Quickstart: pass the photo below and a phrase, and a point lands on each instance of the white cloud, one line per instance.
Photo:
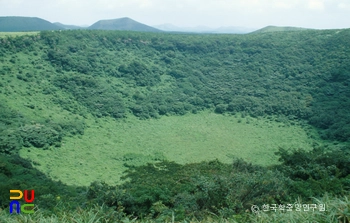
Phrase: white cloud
(286, 4)
(316, 5)
(345, 5)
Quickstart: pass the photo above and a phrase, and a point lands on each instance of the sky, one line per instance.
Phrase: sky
(318, 14)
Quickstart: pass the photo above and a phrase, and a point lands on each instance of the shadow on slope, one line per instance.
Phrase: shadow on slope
(18, 174)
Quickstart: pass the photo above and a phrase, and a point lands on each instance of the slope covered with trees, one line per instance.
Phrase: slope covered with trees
(297, 75)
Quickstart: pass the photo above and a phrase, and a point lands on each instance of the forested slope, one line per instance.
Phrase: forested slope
(299, 74)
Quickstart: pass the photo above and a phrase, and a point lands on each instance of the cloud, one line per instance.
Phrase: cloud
(316, 5)
(344, 5)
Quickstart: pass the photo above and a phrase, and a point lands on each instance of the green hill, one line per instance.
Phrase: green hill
(122, 24)
(174, 126)
(24, 24)
(279, 29)
(117, 74)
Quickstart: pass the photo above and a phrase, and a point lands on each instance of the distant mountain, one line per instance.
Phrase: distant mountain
(279, 29)
(64, 26)
(172, 28)
(168, 27)
(122, 24)
(233, 29)
(21, 24)
(204, 29)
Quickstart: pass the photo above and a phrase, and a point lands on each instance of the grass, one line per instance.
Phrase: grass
(11, 34)
(108, 145)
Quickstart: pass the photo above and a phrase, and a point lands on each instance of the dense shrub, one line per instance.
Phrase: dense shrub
(316, 172)
(138, 71)
(17, 132)
(17, 173)
(192, 189)
(90, 92)
(165, 189)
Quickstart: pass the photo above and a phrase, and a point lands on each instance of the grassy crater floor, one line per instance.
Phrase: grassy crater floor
(108, 146)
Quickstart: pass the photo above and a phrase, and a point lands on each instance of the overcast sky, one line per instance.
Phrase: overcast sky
(321, 14)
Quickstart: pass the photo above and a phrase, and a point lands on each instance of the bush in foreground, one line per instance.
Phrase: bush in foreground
(192, 190)
(337, 210)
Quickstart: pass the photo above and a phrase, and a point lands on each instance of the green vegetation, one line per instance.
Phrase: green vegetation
(194, 190)
(12, 34)
(17, 132)
(108, 147)
(201, 192)
(174, 127)
(336, 212)
(19, 173)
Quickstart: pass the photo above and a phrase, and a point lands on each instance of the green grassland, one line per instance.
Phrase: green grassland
(12, 34)
(108, 145)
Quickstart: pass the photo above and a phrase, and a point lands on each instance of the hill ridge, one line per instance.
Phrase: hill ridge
(21, 24)
(272, 28)
(124, 23)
